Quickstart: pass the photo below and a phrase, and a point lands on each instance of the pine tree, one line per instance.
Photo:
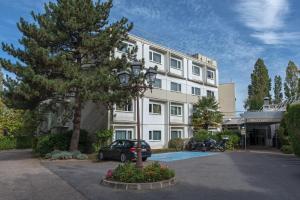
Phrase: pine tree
(67, 51)
(291, 80)
(206, 113)
(278, 90)
(260, 86)
(1, 81)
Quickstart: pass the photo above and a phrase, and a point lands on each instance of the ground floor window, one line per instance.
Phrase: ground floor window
(124, 134)
(155, 135)
(176, 134)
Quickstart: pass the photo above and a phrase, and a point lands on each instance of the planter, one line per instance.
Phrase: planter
(138, 186)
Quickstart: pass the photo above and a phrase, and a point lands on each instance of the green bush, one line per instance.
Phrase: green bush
(177, 144)
(47, 143)
(293, 125)
(233, 139)
(7, 142)
(15, 142)
(288, 149)
(102, 137)
(128, 173)
(65, 155)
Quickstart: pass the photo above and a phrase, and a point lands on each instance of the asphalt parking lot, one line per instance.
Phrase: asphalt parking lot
(236, 175)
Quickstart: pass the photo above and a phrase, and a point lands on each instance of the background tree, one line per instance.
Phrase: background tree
(278, 90)
(67, 51)
(206, 113)
(291, 80)
(260, 86)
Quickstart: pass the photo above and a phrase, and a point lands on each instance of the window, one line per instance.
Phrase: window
(176, 110)
(196, 91)
(157, 83)
(176, 134)
(210, 93)
(210, 74)
(126, 47)
(176, 64)
(175, 87)
(127, 107)
(154, 108)
(196, 70)
(155, 57)
(123, 134)
(155, 135)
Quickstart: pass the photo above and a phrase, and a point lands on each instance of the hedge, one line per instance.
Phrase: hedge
(61, 141)
(293, 125)
(18, 142)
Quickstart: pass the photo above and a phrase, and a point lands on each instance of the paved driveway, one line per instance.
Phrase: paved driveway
(237, 175)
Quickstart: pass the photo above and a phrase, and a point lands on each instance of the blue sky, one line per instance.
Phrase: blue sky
(233, 32)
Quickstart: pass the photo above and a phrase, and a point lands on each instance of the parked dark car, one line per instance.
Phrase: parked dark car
(124, 150)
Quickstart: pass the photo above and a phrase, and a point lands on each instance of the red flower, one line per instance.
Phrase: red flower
(109, 173)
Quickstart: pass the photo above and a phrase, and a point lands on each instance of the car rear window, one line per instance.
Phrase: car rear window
(143, 143)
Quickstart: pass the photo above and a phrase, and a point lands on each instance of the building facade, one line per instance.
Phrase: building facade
(227, 100)
(165, 113)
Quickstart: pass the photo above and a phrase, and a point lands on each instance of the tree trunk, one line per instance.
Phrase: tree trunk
(76, 124)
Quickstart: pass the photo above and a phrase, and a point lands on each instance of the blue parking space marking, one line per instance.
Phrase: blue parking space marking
(172, 156)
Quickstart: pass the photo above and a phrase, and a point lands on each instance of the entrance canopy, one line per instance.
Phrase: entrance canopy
(268, 117)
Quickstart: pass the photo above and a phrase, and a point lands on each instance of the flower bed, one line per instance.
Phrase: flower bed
(129, 173)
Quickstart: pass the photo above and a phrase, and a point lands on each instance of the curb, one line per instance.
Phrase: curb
(138, 186)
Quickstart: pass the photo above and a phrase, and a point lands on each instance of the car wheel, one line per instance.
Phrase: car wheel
(144, 159)
(101, 156)
(123, 157)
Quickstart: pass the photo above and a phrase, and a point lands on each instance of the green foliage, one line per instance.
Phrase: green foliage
(293, 125)
(278, 90)
(260, 86)
(291, 80)
(61, 141)
(287, 149)
(67, 49)
(283, 132)
(177, 144)
(233, 139)
(65, 155)
(206, 113)
(15, 142)
(154, 172)
(102, 137)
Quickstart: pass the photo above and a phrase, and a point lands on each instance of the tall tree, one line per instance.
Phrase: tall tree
(67, 51)
(291, 80)
(260, 86)
(206, 113)
(278, 90)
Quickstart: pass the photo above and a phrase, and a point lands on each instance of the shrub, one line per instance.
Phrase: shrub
(201, 135)
(293, 125)
(47, 143)
(128, 173)
(64, 155)
(233, 139)
(15, 142)
(288, 149)
(102, 138)
(177, 144)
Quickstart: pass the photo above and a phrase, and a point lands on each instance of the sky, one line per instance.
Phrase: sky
(233, 32)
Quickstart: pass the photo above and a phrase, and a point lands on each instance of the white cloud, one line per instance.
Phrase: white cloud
(267, 18)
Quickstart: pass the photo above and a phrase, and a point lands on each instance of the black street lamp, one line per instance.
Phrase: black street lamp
(136, 83)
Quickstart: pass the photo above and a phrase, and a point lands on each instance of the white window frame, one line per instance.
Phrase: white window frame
(125, 108)
(178, 61)
(180, 131)
(213, 74)
(151, 135)
(194, 91)
(176, 106)
(207, 91)
(128, 134)
(155, 52)
(152, 110)
(195, 66)
(129, 47)
(160, 83)
(178, 87)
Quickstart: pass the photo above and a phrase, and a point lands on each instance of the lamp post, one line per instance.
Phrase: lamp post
(137, 82)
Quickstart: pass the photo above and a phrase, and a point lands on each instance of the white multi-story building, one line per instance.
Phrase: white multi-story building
(166, 112)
